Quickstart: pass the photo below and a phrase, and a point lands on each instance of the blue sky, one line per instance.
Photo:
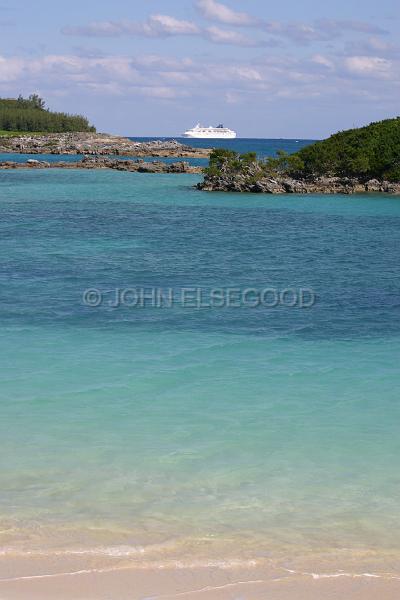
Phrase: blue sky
(156, 67)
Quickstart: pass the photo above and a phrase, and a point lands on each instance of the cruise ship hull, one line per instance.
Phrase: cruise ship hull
(210, 136)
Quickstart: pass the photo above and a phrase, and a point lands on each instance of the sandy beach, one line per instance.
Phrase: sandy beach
(208, 583)
(123, 573)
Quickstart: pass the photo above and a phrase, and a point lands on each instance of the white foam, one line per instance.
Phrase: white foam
(317, 576)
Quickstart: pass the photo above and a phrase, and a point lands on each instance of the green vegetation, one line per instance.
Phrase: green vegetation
(371, 152)
(234, 161)
(30, 115)
(10, 134)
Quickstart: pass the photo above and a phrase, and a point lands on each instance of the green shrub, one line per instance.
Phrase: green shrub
(365, 153)
(371, 152)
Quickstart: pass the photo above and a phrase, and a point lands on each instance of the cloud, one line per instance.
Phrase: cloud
(155, 26)
(323, 30)
(170, 79)
(226, 36)
(171, 26)
(216, 11)
(319, 59)
(369, 66)
(159, 26)
(163, 26)
(298, 32)
(10, 68)
(338, 26)
(121, 74)
(371, 47)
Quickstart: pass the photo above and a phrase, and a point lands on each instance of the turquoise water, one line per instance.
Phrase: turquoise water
(215, 431)
(53, 158)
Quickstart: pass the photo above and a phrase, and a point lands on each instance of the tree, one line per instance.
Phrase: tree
(29, 114)
(37, 101)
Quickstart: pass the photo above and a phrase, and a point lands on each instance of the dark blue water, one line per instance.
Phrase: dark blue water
(137, 230)
(263, 147)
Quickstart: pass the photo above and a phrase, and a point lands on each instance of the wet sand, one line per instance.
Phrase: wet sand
(55, 579)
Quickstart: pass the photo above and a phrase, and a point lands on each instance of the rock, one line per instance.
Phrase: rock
(104, 162)
(230, 182)
(154, 167)
(267, 186)
(291, 186)
(179, 167)
(97, 144)
(390, 188)
(373, 185)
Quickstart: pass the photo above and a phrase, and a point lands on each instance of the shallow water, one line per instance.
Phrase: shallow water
(235, 430)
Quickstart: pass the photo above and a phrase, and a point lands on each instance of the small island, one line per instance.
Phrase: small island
(28, 127)
(105, 162)
(353, 161)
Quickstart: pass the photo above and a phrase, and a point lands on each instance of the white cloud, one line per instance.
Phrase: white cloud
(167, 78)
(380, 45)
(373, 46)
(323, 30)
(319, 59)
(171, 26)
(155, 26)
(246, 73)
(298, 32)
(337, 26)
(370, 66)
(10, 68)
(226, 36)
(163, 26)
(216, 11)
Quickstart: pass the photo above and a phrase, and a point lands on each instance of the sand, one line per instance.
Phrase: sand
(124, 582)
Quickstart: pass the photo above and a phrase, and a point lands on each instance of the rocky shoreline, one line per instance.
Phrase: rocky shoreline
(96, 162)
(319, 185)
(223, 183)
(100, 144)
(99, 151)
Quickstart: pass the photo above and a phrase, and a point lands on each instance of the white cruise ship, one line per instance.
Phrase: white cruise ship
(210, 132)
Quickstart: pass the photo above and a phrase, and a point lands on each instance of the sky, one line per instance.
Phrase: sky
(290, 69)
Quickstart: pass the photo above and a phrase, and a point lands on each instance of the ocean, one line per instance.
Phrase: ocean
(197, 430)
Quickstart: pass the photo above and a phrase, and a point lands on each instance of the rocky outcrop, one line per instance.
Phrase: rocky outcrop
(97, 144)
(98, 162)
(228, 182)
